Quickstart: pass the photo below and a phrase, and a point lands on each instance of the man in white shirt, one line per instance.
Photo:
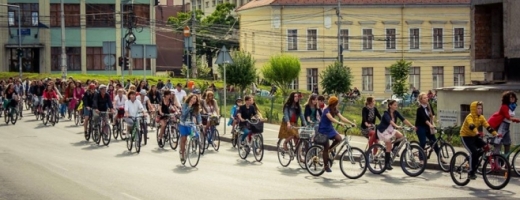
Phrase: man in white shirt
(132, 107)
(180, 94)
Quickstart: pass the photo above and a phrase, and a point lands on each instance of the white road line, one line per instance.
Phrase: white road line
(130, 196)
(57, 166)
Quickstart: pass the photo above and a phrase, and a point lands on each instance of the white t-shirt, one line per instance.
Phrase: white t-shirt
(145, 101)
(133, 107)
(512, 114)
(120, 101)
(179, 95)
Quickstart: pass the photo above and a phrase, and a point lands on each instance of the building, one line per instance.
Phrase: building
(434, 35)
(87, 25)
(208, 6)
(170, 45)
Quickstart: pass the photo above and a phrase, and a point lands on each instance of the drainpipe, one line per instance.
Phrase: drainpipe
(402, 32)
(281, 29)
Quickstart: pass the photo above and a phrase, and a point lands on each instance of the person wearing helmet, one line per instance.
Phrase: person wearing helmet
(102, 102)
(234, 111)
(88, 101)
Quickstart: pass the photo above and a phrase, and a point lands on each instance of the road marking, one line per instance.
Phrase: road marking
(57, 166)
(130, 196)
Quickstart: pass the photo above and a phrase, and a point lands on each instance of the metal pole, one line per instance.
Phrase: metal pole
(122, 45)
(19, 40)
(144, 62)
(188, 69)
(338, 12)
(63, 53)
(194, 51)
(225, 92)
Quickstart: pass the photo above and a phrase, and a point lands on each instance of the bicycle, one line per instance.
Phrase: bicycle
(213, 136)
(28, 102)
(497, 164)
(192, 146)
(101, 129)
(11, 114)
(118, 127)
(235, 130)
(254, 141)
(153, 114)
(352, 155)
(299, 150)
(51, 115)
(410, 158)
(445, 149)
(136, 133)
(515, 161)
(171, 133)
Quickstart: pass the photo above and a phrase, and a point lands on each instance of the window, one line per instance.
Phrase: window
(414, 38)
(71, 11)
(437, 38)
(464, 111)
(29, 14)
(207, 4)
(458, 76)
(100, 15)
(344, 38)
(213, 3)
(312, 78)
(312, 39)
(294, 84)
(438, 77)
(368, 78)
(458, 38)
(367, 39)
(73, 58)
(137, 64)
(292, 39)
(388, 79)
(95, 58)
(415, 77)
(390, 38)
(141, 12)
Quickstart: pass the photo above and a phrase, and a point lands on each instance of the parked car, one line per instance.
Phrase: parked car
(405, 101)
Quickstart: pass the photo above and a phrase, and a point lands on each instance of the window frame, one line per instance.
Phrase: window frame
(456, 43)
(27, 11)
(309, 45)
(367, 74)
(73, 58)
(100, 16)
(415, 74)
(344, 39)
(388, 80)
(292, 39)
(294, 85)
(71, 12)
(438, 76)
(456, 75)
(368, 39)
(312, 78)
(390, 38)
(436, 44)
(412, 39)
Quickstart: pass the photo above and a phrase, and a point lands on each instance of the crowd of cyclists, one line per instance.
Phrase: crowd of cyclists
(184, 115)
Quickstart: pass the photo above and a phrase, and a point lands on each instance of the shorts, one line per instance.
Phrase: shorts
(184, 130)
(87, 112)
(387, 135)
(506, 134)
(120, 113)
(37, 100)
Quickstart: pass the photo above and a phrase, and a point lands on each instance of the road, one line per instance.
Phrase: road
(41, 162)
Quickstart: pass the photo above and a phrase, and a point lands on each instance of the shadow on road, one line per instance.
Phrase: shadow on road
(160, 150)
(243, 163)
(181, 169)
(72, 126)
(32, 120)
(40, 126)
(397, 180)
(126, 154)
(486, 194)
(94, 147)
(80, 143)
(335, 183)
(291, 171)
(432, 175)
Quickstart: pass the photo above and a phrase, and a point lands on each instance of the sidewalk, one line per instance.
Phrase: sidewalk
(271, 139)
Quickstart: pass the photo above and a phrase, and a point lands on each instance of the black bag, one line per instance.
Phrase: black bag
(257, 128)
(320, 138)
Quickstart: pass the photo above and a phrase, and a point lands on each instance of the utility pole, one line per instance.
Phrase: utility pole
(123, 44)
(63, 52)
(340, 45)
(193, 35)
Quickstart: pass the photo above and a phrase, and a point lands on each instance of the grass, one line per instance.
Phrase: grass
(270, 107)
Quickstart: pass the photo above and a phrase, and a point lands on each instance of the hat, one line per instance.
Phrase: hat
(91, 86)
(143, 92)
(196, 91)
(102, 86)
(333, 100)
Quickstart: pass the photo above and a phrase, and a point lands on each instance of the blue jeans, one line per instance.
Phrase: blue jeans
(423, 133)
(246, 133)
(63, 108)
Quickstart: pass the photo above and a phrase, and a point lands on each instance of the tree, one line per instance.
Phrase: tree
(242, 72)
(336, 79)
(399, 73)
(281, 70)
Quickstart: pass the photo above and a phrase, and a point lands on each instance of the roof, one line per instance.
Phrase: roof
(261, 3)
(483, 88)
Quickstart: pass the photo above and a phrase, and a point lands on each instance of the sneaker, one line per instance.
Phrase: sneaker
(328, 170)
(472, 176)
(160, 142)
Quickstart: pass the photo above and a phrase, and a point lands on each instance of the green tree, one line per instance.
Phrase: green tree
(281, 70)
(242, 73)
(336, 79)
(399, 73)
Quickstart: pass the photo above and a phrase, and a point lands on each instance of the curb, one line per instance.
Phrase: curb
(430, 166)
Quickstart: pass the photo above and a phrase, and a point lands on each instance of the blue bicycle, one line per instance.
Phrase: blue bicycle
(212, 134)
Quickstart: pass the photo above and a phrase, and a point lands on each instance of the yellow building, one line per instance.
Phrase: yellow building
(374, 35)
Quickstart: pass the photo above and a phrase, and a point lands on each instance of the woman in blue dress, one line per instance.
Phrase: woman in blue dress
(327, 129)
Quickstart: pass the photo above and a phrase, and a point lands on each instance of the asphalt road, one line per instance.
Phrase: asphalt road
(40, 162)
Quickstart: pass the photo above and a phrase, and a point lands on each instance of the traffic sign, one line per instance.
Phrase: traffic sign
(109, 60)
(187, 31)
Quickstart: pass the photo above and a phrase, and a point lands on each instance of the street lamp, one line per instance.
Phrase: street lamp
(130, 39)
(19, 36)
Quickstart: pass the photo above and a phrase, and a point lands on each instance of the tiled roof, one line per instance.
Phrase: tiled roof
(260, 3)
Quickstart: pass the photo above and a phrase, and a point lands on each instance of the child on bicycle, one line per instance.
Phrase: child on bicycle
(501, 120)
(471, 139)
(233, 119)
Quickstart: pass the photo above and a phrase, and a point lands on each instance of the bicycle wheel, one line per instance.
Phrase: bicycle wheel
(37, 115)
(500, 172)
(301, 151)
(27, 105)
(410, 162)
(130, 140)
(459, 168)
(234, 136)
(122, 130)
(137, 140)
(258, 147)
(186, 148)
(45, 118)
(87, 133)
(6, 117)
(193, 152)
(76, 118)
(174, 137)
(284, 157)
(202, 142)
(314, 161)
(160, 140)
(52, 118)
(14, 117)
(354, 159)
(216, 140)
(107, 135)
(96, 134)
(445, 154)
(376, 161)
(242, 149)
(516, 163)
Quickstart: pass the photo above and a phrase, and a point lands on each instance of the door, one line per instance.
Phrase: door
(30, 60)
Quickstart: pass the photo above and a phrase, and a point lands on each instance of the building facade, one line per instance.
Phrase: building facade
(87, 25)
(434, 35)
(208, 6)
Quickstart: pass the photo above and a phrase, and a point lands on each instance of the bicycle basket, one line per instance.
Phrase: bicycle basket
(214, 121)
(257, 128)
(320, 138)
(306, 133)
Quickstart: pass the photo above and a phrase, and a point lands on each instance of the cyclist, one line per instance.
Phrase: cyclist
(164, 109)
(312, 110)
(190, 110)
(246, 111)
(470, 135)
(233, 119)
(143, 98)
(369, 114)
(18, 88)
(11, 98)
(102, 102)
(425, 116)
(386, 129)
(327, 129)
(49, 95)
(37, 92)
(210, 108)
(292, 111)
(132, 107)
(88, 100)
(119, 103)
(502, 120)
